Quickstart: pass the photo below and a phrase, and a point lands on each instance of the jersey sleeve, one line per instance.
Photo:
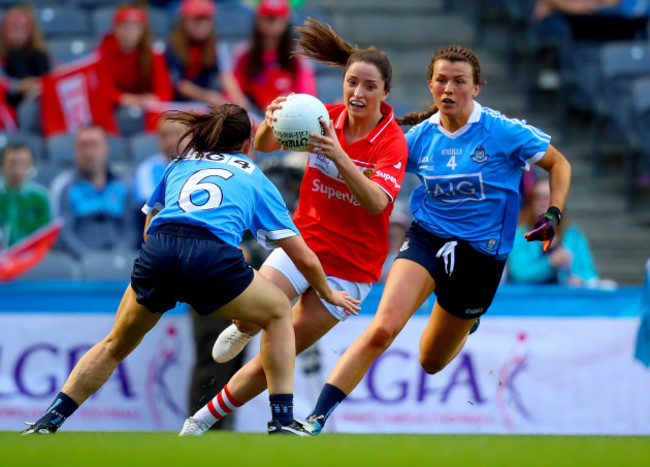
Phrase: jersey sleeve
(157, 199)
(271, 220)
(523, 144)
(389, 171)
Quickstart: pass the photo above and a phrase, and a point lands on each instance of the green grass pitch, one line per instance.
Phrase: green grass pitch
(335, 450)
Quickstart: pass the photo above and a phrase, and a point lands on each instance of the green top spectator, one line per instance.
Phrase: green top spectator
(24, 205)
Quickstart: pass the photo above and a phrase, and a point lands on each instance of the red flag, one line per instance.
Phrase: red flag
(74, 95)
(27, 253)
(7, 114)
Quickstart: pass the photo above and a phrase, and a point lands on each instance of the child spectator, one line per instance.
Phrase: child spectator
(24, 205)
(265, 68)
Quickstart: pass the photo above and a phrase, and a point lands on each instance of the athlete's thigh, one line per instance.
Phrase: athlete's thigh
(132, 321)
(444, 335)
(311, 320)
(279, 280)
(259, 303)
(407, 287)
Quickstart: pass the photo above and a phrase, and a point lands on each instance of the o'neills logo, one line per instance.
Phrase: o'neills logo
(292, 139)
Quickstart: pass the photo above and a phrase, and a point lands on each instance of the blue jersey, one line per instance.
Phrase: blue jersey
(470, 178)
(226, 194)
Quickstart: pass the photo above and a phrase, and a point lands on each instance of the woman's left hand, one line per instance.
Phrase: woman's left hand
(327, 145)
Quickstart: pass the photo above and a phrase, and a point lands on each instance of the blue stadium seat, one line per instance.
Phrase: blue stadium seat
(621, 63)
(142, 146)
(56, 265)
(234, 21)
(92, 4)
(63, 21)
(29, 115)
(69, 49)
(130, 120)
(47, 170)
(638, 136)
(299, 16)
(108, 265)
(34, 141)
(329, 87)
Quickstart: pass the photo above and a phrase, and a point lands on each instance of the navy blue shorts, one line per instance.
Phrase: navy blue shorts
(184, 263)
(466, 283)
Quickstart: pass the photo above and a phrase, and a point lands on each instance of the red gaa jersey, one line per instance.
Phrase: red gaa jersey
(350, 242)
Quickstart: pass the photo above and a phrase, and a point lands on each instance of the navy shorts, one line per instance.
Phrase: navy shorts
(465, 282)
(184, 263)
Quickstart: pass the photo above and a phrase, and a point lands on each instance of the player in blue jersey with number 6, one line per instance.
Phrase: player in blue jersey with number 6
(196, 216)
(470, 160)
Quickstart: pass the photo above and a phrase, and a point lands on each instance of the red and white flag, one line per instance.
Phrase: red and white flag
(74, 95)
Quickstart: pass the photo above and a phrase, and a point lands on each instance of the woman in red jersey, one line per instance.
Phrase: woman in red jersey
(135, 74)
(353, 174)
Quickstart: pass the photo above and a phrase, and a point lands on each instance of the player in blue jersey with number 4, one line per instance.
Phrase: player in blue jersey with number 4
(195, 220)
(470, 160)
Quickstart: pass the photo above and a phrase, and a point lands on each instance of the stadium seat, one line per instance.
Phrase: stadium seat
(69, 49)
(29, 115)
(130, 120)
(329, 88)
(62, 21)
(143, 146)
(108, 265)
(299, 16)
(46, 171)
(234, 21)
(638, 136)
(56, 265)
(621, 63)
(34, 141)
(92, 4)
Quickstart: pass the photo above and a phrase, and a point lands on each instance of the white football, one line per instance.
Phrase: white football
(297, 118)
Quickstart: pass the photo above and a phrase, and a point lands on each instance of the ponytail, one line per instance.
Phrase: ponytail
(319, 42)
(414, 118)
(223, 130)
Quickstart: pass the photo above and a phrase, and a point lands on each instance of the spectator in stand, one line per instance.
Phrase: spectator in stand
(199, 65)
(93, 202)
(265, 68)
(24, 205)
(568, 259)
(23, 54)
(136, 75)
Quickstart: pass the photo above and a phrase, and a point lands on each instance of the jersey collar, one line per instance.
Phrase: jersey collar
(474, 117)
(385, 109)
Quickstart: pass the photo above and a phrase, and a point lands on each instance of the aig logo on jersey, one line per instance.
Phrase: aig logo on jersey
(479, 155)
(456, 188)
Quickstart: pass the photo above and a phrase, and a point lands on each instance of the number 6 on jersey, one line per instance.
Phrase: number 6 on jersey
(196, 184)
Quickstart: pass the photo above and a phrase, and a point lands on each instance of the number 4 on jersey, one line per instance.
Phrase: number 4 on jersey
(452, 163)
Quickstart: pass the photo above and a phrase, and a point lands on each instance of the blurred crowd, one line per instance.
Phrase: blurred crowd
(82, 84)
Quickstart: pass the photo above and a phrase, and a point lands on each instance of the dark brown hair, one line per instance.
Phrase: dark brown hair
(223, 130)
(255, 66)
(179, 42)
(453, 53)
(320, 42)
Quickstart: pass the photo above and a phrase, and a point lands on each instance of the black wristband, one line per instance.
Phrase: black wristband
(555, 212)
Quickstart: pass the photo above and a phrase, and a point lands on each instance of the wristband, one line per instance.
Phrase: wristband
(555, 213)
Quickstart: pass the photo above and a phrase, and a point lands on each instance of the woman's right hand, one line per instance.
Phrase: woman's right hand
(269, 118)
(341, 298)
